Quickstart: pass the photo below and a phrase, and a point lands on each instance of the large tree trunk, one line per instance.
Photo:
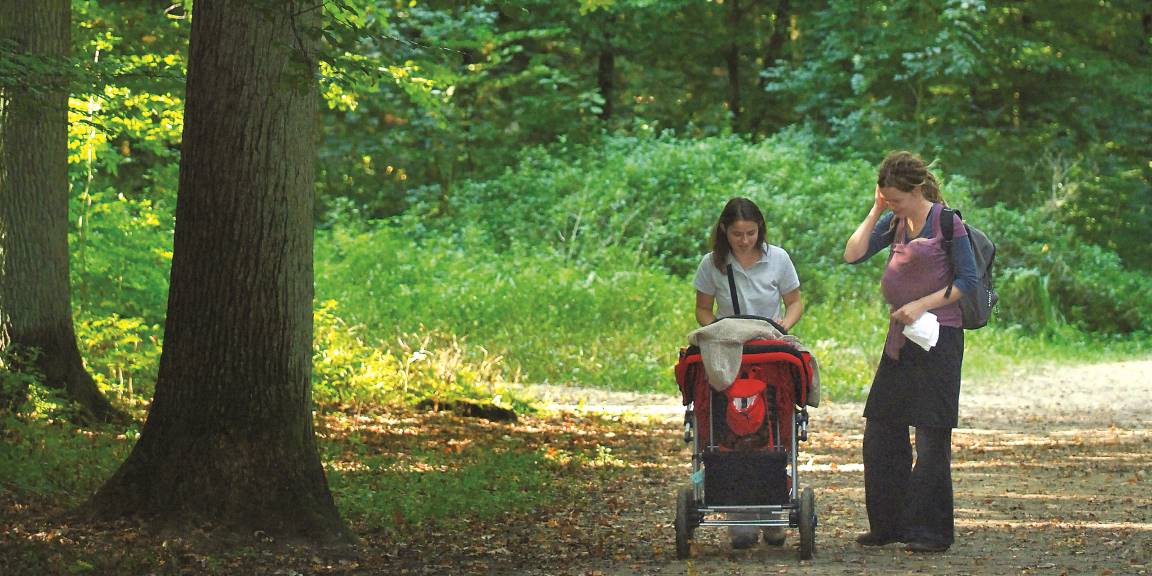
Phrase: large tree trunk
(35, 298)
(229, 438)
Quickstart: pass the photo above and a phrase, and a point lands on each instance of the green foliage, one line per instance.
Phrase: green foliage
(18, 379)
(1029, 291)
(122, 355)
(1043, 103)
(525, 228)
(1083, 284)
(23, 394)
(125, 125)
(653, 201)
(355, 371)
(544, 315)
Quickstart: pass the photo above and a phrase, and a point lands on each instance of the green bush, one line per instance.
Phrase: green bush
(354, 370)
(576, 268)
(23, 394)
(122, 355)
(548, 318)
(1050, 275)
(657, 199)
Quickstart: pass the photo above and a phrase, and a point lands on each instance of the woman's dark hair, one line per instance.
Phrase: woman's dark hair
(904, 171)
(735, 209)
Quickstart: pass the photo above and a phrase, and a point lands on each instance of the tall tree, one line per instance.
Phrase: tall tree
(766, 114)
(35, 300)
(732, 58)
(229, 438)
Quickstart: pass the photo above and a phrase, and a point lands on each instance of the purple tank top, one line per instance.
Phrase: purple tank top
(916, 269)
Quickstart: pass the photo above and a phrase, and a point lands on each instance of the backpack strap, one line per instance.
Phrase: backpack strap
(732, 289)
(946, 224)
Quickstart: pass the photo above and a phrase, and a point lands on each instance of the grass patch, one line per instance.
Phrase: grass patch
(57, 464)
(397, 491)
(399, 473)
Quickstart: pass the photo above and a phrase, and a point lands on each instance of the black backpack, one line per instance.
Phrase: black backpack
(975, 308)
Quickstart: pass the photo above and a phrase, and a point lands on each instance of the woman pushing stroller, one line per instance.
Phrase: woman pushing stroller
(762, 279)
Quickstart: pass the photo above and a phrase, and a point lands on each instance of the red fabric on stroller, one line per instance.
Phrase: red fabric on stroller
(786, 375)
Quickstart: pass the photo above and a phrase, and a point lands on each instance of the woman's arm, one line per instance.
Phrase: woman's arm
(964, 261)
(909, 312)
(704, 313)
(857, 245)
(793, 309)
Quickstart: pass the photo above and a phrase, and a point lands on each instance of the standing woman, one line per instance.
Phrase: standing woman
(912, 502)
(765, 279)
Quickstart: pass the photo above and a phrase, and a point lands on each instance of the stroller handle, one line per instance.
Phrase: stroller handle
(774, 323)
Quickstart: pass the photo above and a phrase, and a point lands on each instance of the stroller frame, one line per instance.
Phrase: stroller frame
(696, 508)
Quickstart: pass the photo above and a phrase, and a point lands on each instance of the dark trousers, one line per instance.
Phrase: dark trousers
(912, 502)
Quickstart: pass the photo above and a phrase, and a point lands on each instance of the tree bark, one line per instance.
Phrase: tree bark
(1146, 26)
(606, 78)
(603, 38)
(229, 439)
(732, 57)
(773, 51)
(35, 297)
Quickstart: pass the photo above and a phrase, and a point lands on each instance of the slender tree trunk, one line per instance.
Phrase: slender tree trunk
(35, 298)
(603, 36)
(781, 28)
(229, 438)
(773, 51)
(1146, 26)
(732, 56)
(606, 79)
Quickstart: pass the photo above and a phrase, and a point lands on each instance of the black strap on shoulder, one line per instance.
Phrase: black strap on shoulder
(732, 289)
(946, 231)
(946, 227)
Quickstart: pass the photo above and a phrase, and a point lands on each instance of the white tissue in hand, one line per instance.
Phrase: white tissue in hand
(925, 331)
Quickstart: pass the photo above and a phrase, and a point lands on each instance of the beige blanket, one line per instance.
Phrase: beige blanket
(722, 347)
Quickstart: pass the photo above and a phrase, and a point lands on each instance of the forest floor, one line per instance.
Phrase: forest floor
(1050, 469)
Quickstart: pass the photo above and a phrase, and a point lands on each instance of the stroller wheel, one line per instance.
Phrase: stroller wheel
(807, 524)
(685, 522)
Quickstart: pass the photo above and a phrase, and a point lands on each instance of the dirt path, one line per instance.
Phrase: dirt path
(1051, 475)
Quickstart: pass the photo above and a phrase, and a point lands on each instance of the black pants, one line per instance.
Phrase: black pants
(913, 503)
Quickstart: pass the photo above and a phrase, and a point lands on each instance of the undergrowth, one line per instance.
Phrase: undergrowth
(574, 268)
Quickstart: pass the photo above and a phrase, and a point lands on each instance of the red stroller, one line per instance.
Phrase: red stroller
(744, 443)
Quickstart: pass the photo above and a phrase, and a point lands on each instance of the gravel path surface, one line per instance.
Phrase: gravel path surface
(1050, 470)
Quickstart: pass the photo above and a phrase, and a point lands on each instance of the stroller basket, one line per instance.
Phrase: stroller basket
(746, 479)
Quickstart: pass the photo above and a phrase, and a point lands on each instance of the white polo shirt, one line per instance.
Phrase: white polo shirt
(760, 287)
